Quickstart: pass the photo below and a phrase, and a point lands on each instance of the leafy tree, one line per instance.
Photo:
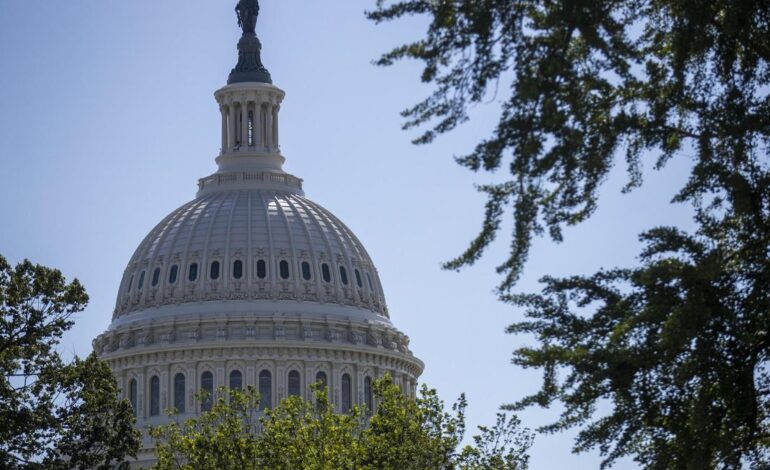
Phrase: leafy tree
(402, 433)
(678, 346)
(586, 79)
(54, 414)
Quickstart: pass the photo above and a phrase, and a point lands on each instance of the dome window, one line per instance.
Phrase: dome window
(155, 277)
(265, 390)
(238, 269)
(320, 379)
(192, 275)
(214, 271)
(347, 393)
(369, 279)
(173, 274)
(326, 272)
(261, 269)
(207, 386)
(141, 281)
(130, 283)
(322, 382)
(154, 396)
(306, 271)
(236, 380)
(359, 282)
(179, 393)
(344, 275)
(294, 384)
(132, 395)
(368, 395)
(283, 268)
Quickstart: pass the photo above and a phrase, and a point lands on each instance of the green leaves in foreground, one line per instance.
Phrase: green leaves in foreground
(54, 414)
(587, 85)
(402, 433)
(675, 353)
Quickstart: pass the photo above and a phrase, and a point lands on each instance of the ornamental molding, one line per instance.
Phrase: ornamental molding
(250, 332)
(264, 357)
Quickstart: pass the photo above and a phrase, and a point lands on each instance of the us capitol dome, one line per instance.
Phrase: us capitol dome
(251, 282)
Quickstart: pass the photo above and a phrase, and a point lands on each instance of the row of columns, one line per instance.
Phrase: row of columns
(239, 118)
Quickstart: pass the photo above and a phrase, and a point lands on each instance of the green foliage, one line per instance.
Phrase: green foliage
(584, 80)
(678, 346)
(53, 414)
(402, 433)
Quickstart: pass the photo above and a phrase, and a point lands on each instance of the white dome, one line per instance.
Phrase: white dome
(250, 283)
(251, 242)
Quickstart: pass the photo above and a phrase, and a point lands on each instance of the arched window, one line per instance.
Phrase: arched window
(321, 380)
(261, 269)
(207, 389)
(236, 380)
(265, 390)
(326, 273)
(359, 282)
(283, 269)
(130, 283)
(155, 277)
(347, 393)
(306, 275)
(295, 387)
(154, 396)
(344, 275)
(141, 280)
(368, 394)
(214, 272)
(192, 274)
(173, 274)
(179, 391)
(132, 395)
(238, 269)
(369, 278)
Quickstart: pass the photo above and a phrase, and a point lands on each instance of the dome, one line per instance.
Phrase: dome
(250, 284)
(239, 243)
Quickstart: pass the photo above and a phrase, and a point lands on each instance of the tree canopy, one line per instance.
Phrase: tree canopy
(677, 346)
(584, 80)
(400, 433)
(54, 414)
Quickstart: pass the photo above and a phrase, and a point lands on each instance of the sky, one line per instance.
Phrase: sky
(107, 120)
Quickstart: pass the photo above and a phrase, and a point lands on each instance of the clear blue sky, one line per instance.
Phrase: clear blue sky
(107, 119)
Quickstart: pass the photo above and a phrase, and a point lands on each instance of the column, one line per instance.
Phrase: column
(244, 124)
(231, 128)
(223, 110)
(269, 127)
(275, 126)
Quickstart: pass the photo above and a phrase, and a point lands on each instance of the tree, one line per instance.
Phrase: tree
(589, 78)
(401, 433)
(54, 414)
(679, 345)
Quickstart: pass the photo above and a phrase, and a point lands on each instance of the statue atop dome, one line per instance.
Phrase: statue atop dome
(249, 67)
(247, 11)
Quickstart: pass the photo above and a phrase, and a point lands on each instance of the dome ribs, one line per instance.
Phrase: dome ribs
(314, 258)
(248, 225)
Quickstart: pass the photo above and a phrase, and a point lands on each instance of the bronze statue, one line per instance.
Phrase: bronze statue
(248, 11)
(249, 67)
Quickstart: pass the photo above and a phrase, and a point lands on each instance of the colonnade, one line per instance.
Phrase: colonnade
(249, 124)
